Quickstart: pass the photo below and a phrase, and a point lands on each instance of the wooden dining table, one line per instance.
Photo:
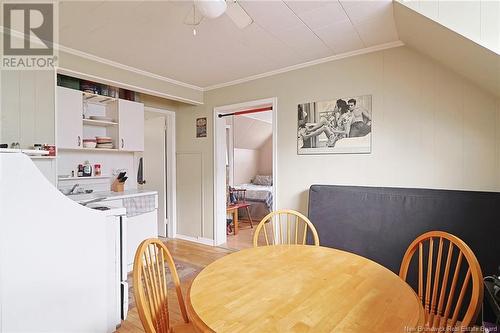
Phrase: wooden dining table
(301, 288)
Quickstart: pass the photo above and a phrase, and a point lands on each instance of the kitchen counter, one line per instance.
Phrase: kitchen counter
(109, 195)
(110, 212)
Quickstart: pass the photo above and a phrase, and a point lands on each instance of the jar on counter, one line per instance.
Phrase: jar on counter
(87, 169)
(97, 170)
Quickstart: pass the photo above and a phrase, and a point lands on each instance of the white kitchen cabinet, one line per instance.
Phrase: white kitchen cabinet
(131, 125)
(139, 228)
(69, 118)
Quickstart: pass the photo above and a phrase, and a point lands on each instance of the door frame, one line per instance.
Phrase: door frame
(170, 172)
(219, 142)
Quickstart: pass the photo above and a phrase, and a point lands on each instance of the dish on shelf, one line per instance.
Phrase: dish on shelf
(101, 118)
(89, 143)
(105, 145)
(104, 140)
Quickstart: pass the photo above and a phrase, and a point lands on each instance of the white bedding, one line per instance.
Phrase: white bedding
(259, 193)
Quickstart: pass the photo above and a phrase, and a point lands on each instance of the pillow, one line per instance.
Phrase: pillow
(263, 180)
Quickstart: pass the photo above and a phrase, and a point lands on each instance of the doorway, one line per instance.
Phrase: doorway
(229, 153)
(159, 165)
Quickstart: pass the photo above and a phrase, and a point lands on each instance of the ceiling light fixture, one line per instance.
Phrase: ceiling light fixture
(214, 8)
(211, 8)
(193, 18)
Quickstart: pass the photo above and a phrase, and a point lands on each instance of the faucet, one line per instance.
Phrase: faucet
(72, 191)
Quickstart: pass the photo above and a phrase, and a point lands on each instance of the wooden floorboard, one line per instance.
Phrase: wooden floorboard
(192, 253)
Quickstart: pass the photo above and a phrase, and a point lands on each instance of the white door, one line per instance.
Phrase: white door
(155, 166)
(131, 125)
(69, 118)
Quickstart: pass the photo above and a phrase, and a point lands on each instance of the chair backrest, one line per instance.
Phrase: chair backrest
(284, 227)
(150, 286)
(440, 295)
(239, 195)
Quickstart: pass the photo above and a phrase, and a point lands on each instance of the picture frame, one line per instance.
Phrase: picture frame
(337, 126)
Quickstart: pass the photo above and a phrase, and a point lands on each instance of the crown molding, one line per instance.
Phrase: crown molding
(115, 64)
(366, 50)
(126, 67)
(84, 76)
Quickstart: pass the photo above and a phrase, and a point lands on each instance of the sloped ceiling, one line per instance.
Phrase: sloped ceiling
(460, 54)
(250, 133)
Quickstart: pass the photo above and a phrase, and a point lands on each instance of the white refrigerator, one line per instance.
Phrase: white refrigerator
(59, 261)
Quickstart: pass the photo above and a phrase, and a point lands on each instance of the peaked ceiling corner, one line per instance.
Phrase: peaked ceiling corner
(125, 31)
(251, 133)
(460, 54)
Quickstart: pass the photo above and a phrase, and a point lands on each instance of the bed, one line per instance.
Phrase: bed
(260, 197)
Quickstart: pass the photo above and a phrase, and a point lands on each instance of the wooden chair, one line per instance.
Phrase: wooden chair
(286, 227)
(150, 288)
(438, 297)
(238, 194)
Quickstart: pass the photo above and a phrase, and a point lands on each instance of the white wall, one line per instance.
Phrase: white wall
(266, 157)
(27, 107)
(246, 165)
(431, 128)
(68, 161)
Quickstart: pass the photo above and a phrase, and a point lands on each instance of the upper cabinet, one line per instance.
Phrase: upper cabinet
(69, 118)
(130, 125)
(120, 120)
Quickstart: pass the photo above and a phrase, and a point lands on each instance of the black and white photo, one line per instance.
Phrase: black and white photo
(342, 125)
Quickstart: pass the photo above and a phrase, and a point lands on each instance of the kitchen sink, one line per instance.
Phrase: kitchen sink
(82, 196)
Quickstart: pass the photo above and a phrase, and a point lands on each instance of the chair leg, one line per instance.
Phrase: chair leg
(235, 219)
(250, 218)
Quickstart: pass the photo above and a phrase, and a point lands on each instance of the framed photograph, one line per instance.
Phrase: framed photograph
(338, 126)
(201, 127)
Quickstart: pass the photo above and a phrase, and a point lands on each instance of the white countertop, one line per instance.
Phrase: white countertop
(109, 212)
(109, 195)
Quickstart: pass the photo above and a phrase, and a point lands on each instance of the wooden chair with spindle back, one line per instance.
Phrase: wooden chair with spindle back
(238, 194)
(150, 288)
(286, 227)
(437, 292)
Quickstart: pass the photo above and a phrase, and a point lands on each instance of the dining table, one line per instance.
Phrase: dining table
(301, 288)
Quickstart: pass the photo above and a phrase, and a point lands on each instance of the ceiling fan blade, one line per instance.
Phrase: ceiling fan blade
(193, 17)
(238, 15)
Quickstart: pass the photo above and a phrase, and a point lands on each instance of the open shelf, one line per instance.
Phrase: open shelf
(104, 123)
(97, 149)
(41, 157)
(74, 178)
(97, 99)
(29, 152)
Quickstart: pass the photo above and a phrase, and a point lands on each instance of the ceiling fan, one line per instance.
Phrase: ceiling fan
(212, 9)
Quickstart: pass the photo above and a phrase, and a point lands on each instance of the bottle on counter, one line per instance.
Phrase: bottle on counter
(97, 170)
(79, 173)
(87, 169)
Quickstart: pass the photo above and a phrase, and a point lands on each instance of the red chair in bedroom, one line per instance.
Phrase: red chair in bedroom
(237, 200)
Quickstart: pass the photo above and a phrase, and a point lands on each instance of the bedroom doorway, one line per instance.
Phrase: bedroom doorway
(244, 170)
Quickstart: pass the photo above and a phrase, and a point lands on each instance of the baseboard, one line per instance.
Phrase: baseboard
(200, 240)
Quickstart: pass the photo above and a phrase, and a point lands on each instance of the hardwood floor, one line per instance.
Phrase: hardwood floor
(244, 238)
(195, 254)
